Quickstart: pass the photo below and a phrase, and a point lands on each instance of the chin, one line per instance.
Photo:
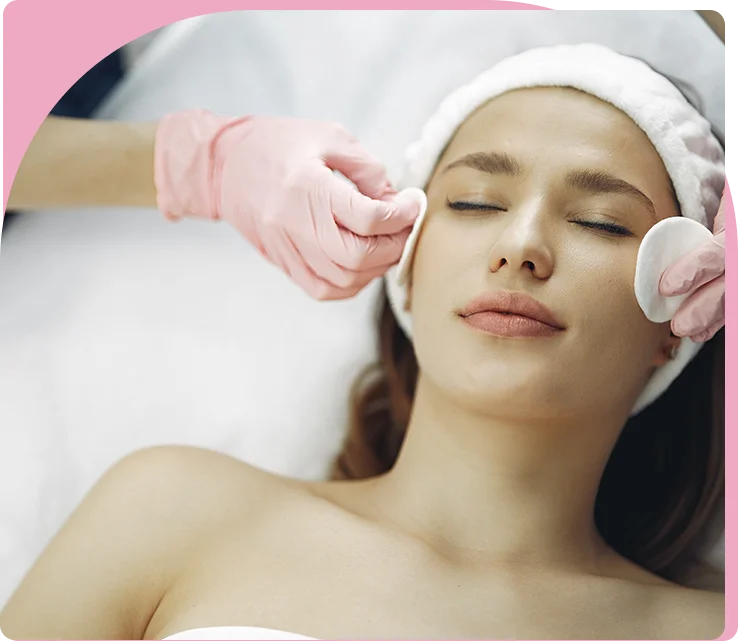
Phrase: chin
(503, 392)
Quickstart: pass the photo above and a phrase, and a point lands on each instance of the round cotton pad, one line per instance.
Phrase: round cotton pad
(398, 276)
(403, 267)
(665, 243)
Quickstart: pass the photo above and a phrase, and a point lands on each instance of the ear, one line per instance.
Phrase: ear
(667, 350)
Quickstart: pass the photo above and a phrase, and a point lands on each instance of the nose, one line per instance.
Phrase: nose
(523, 245)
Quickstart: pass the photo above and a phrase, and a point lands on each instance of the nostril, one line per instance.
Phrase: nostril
(530, 265)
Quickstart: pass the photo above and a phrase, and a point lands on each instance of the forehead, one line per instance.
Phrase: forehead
(555, 122)
(551, 130)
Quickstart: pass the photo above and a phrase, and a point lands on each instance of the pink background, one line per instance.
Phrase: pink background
(82, 32)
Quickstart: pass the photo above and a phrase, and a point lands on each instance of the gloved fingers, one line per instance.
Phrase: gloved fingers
(295, 249)
(361, 280)
(705, 336)
(702, 310)
(359, 253)
(314, 273)
(298, 270)
(310, 247)
(383, 252)
(694, 270)
(364, 216)
(358, 165)
(345, 268)
(323, 290)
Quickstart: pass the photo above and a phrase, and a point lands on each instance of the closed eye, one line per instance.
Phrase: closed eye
(463, 205)
(610, 228)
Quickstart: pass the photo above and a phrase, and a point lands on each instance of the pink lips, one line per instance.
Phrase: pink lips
(511, 315)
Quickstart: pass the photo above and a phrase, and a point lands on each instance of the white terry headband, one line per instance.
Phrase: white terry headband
(690, 152)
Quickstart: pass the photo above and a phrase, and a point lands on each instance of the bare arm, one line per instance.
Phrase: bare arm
(106, 571)
(79, 163)
(85, 583)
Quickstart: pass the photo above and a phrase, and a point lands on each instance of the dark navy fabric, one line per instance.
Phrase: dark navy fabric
(88, 92)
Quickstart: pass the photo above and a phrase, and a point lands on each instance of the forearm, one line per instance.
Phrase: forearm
(80, 163)
(715, 21)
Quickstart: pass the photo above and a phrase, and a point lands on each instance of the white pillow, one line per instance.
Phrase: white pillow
(120, 330)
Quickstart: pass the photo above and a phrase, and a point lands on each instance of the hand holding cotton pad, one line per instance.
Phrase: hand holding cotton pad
(700, 275)
(664, 244)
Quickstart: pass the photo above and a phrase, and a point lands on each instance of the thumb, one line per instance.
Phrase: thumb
(368, 217)
(361, 168)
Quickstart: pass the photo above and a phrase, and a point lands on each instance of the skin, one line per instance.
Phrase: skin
(86, 163)
(484, 527)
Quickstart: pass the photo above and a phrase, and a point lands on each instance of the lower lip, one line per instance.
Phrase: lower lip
(510, 325)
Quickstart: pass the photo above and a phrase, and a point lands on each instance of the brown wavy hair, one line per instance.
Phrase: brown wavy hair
(664, 479)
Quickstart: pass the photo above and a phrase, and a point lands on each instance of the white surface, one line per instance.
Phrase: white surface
(119, 330)
(133, 51)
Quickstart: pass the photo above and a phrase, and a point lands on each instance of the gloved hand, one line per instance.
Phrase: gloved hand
(272, 179)
(701, 274)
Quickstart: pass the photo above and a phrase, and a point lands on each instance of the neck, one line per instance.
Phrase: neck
(495, 488)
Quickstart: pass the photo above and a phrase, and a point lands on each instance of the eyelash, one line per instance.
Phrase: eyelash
(461, 205)
(610, 228)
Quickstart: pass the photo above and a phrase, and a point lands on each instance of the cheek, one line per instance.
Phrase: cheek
(440, 283)
(603, 283)
(444, 257)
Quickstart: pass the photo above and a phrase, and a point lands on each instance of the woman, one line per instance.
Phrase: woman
(494, 492)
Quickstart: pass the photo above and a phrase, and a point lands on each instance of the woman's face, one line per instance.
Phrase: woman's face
(546, 192)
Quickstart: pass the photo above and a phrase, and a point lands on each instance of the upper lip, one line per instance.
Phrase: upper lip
(508, 302)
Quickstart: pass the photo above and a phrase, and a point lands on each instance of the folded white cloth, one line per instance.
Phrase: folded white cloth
(692, 155)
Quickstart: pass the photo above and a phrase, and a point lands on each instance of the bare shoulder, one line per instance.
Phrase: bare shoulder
(173, 497)
(194, 482)
(188, 493)
(123, 546)
(687, 613)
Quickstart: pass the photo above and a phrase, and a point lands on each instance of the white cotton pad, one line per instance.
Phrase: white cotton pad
(665, 243)
(403, 267)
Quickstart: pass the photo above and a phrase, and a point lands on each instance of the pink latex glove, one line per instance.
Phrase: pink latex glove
(701, 274)
(272, 179)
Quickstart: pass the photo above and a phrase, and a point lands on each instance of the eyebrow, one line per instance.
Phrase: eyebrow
(601, 182)
(491, 162)
(587, 180)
